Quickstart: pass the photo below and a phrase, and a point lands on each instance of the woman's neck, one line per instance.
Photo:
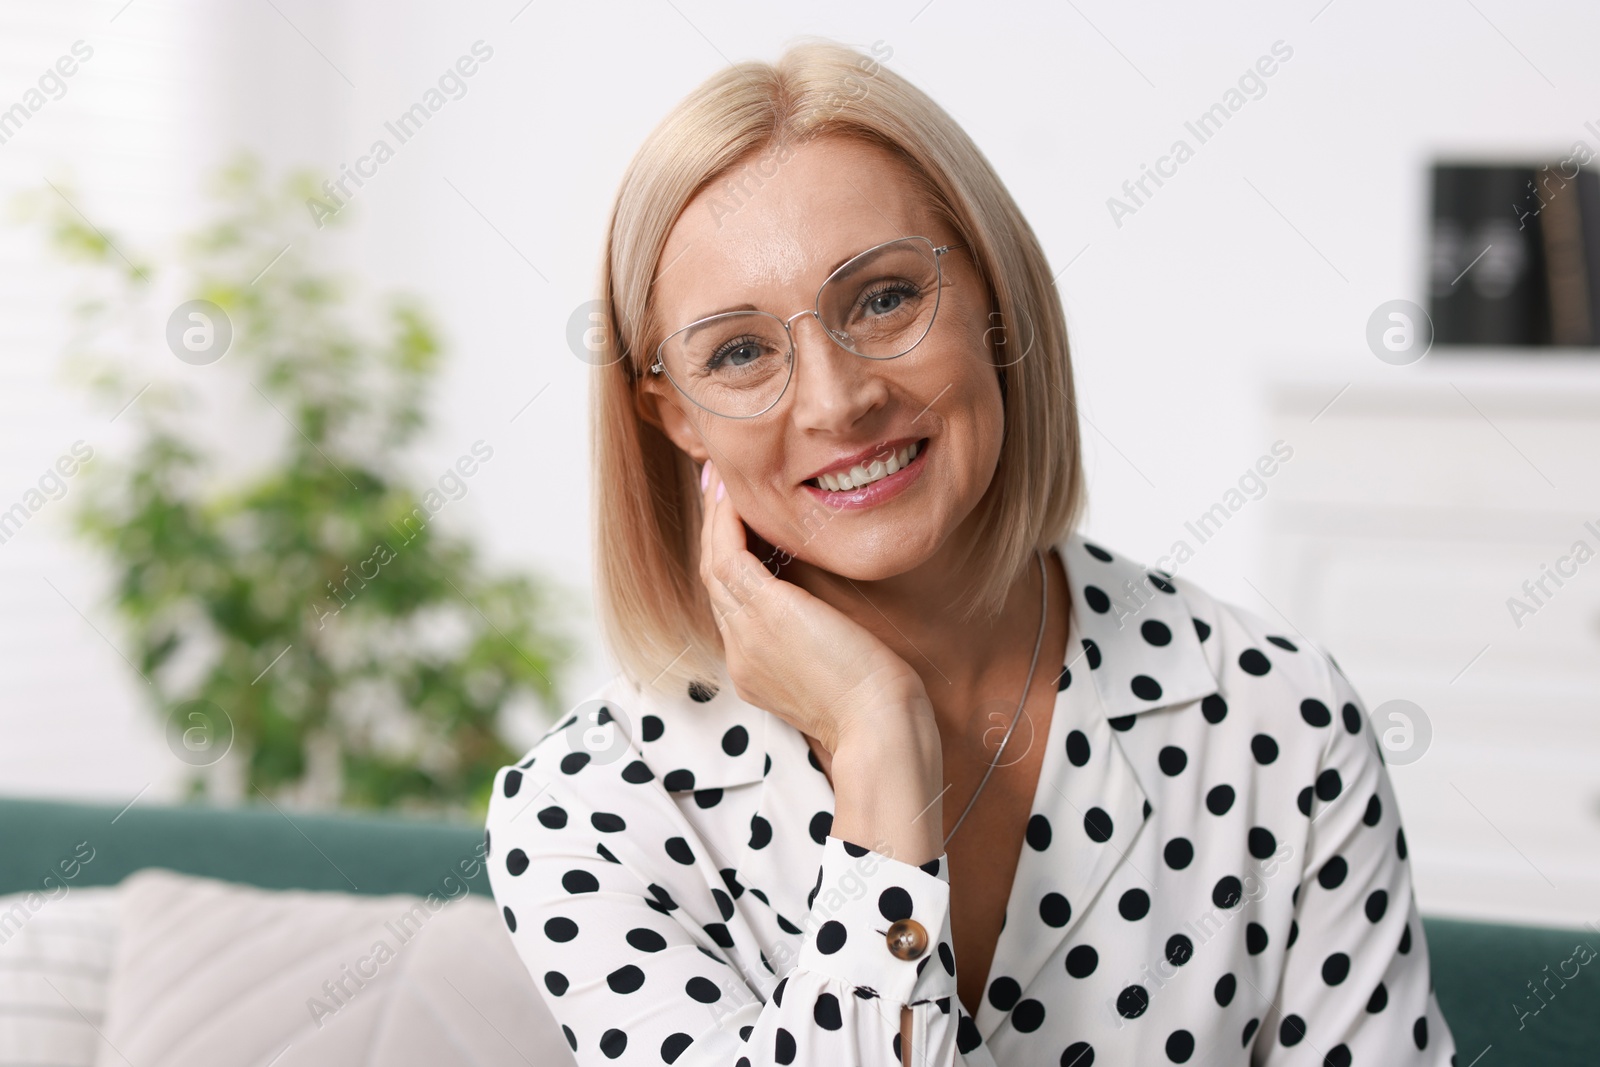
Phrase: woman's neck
(962, 664)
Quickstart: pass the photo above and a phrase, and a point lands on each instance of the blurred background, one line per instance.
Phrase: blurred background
(293, 451)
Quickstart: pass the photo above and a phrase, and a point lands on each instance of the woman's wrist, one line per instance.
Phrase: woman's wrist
(886, 784)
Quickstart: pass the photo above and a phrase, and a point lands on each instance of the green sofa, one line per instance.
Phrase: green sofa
(1482, 971)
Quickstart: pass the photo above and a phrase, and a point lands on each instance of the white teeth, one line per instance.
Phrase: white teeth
(859, 475)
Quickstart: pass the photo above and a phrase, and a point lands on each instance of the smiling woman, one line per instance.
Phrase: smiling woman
(839, 566)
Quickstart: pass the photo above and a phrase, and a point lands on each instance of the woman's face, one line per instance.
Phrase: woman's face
(770, 246)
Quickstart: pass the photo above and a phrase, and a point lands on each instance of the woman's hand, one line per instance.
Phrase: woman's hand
(792, 654)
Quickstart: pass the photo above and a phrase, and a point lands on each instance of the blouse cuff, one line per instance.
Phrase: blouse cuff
(881, 924)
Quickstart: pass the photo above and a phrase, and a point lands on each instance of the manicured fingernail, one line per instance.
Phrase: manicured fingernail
(720, 487)
(705, 474)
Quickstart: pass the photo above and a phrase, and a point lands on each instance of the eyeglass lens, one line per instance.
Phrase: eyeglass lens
(879, 305)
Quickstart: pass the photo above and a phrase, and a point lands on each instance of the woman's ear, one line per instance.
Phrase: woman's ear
(662, 411)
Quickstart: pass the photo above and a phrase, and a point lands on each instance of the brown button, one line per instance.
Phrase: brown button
(907, 939)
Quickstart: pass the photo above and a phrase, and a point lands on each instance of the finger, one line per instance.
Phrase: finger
(707, 472)
(716, 551)
(738, 571)
(722, 604)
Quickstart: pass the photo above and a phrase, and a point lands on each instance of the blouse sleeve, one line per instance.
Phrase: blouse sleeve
(1356, 986)
(632, 979)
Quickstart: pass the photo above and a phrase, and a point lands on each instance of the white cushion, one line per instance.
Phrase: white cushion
(56, 947)
(210, 972)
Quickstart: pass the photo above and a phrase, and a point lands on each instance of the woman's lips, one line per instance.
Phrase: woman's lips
(877, 492)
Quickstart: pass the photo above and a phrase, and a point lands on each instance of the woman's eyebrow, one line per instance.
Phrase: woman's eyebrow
(723, 311)
(825, 275)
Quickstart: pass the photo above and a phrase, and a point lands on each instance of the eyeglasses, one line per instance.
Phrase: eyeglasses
(878, 305)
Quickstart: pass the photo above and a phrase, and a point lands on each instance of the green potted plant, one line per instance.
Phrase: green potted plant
(308, 624)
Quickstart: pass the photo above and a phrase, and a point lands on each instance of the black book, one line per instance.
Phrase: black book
(1589, 217)
(1488, 274)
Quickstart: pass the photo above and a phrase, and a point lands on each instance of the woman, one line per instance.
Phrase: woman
(899, 768)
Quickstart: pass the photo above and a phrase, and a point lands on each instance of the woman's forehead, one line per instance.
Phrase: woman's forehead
(783, 228)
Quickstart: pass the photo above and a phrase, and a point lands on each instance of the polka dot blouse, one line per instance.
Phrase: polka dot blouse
(1214, 872)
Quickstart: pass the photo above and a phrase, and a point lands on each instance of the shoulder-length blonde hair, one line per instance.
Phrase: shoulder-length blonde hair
(655, 613)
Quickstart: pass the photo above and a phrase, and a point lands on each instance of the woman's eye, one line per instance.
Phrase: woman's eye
(738, 355)
(887, 298)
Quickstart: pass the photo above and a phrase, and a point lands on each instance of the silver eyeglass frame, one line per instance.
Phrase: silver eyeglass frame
(659, 366)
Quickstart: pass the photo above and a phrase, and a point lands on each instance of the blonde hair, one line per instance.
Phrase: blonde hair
(654, 610)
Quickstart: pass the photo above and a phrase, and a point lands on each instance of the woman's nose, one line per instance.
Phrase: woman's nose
(833, 387)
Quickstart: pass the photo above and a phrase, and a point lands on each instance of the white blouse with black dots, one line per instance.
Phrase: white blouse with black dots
(1214, 872)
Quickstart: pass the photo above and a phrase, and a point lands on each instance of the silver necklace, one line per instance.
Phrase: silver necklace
(1044, 595)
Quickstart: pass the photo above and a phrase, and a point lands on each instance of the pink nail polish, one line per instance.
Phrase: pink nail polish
(705, 474)
(720, 487)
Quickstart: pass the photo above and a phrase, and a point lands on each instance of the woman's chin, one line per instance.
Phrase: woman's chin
(866, 559)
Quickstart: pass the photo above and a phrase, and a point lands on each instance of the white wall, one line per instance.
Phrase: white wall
(112, 144)
(1263, 256)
